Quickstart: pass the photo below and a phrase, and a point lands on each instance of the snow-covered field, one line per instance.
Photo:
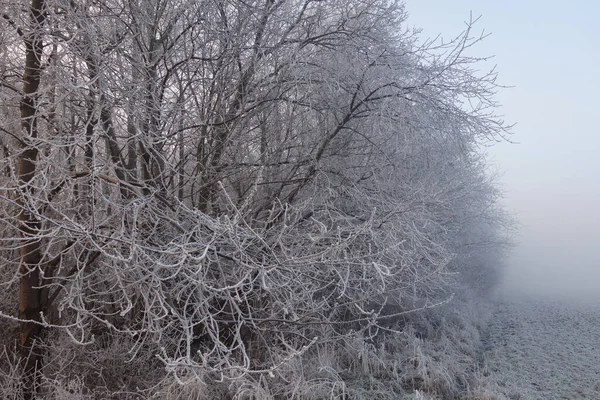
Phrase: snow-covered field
(543, 349)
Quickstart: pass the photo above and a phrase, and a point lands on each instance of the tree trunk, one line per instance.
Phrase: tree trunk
(30, 295)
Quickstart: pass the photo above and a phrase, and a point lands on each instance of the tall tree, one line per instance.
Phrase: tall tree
(31, 303)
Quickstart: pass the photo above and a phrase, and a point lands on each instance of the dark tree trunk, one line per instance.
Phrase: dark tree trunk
(30, 295)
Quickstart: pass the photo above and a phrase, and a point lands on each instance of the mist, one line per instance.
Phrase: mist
(299, 200)
(549, 173)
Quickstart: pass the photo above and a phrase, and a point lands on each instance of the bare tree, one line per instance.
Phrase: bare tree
(231, 184)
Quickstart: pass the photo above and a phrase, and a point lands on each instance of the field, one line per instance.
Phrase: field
(543, 349)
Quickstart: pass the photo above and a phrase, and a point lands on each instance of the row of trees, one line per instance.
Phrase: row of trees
(229, 184)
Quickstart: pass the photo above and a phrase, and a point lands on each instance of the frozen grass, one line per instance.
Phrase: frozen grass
(432, 355)
(435, 355)
(546, 350)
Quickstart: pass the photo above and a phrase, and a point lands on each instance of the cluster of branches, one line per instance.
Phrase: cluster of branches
(235, 181)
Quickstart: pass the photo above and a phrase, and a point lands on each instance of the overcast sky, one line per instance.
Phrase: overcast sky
(550, 52)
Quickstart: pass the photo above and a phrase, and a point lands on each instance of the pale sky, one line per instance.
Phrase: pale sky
(550, 52)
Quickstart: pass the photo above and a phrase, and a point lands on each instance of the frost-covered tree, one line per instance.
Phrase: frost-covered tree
(227, 185)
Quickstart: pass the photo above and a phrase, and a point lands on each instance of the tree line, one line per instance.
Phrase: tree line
(227, 185)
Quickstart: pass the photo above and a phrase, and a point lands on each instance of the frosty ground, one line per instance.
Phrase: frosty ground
(542, 349)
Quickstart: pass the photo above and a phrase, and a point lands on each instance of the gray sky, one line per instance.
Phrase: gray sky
(550, 52)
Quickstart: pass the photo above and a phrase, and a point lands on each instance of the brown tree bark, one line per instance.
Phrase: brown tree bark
(30, 295)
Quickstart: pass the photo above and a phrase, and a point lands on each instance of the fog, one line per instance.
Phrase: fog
(550, 54)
